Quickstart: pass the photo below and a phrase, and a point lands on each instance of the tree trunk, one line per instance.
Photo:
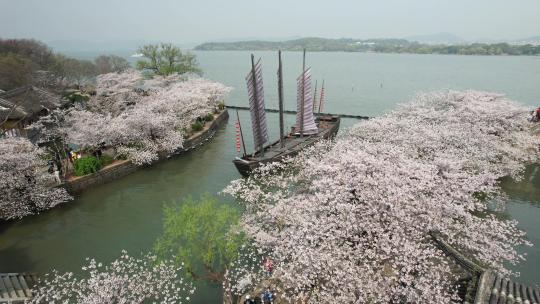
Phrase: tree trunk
(227, 294)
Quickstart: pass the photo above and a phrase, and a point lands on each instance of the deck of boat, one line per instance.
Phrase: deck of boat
(292, 145)
(295, 143)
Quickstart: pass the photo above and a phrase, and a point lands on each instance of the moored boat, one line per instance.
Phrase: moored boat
(308, 129)
(293, 144)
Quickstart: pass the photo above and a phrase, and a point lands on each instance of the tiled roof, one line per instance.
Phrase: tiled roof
(6, 108)
(16, 287)
(27, 100)
(497, 289)
(491, 288)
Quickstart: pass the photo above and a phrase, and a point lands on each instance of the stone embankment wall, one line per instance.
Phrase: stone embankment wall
(122, 168)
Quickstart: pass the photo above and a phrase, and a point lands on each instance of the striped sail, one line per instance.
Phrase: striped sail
(309, 120)
(256, 106)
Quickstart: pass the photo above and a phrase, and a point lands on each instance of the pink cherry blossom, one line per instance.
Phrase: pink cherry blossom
(125, 280)
(141, 118)
(349, 221)
(24, 181)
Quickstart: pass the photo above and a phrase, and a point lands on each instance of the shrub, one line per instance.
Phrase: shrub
(106, 160)
(76, 96)
(86, 165)
(209, 117)
(221, 105)
(197, 126)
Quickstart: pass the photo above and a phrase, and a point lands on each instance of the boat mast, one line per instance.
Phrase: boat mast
(322, 96)
(241, 134)
(280, 93)
(315, 97)
(256, 98)
(302, 100)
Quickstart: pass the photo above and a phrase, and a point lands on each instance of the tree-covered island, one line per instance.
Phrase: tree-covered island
(372, 45)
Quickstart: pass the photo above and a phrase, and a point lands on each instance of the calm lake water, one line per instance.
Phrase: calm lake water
(127, 214)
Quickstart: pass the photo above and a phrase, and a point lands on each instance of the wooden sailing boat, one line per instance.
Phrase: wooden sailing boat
(308, 129)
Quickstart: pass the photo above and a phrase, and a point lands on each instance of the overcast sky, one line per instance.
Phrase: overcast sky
(206, 20)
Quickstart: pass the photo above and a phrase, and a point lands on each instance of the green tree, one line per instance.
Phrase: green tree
(166, 59)
(110, 63)
(205, 235)
(33, 50)
(73, 70)
(15, 71)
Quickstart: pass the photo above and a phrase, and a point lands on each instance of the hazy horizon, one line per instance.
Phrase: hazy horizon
(191, 23)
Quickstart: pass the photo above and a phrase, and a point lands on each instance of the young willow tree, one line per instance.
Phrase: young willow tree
(350, 221)
(165, 59)
(23, 181)
(205, 236)
(125, 280)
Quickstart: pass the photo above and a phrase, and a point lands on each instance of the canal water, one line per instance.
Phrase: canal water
(127, 213)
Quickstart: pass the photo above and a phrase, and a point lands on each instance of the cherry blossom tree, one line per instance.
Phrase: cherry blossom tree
(125, 280)
(111, 63)
(245, 272)
(350, 220)
(142, 119)
(24, 187)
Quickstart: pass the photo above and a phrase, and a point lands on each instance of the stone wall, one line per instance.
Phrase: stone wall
(123, 168)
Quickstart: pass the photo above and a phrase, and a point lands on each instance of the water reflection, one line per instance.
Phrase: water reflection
(524, 206)
(527, 189)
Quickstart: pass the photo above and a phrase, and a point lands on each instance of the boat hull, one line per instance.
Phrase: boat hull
(328, 125)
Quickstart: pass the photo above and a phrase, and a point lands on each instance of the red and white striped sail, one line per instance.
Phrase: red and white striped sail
(309, 126)
(237, 125)
(256, 106)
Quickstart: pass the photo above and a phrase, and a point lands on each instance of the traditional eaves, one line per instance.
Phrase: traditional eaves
(26, 101)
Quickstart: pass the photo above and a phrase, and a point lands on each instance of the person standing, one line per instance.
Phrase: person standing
(51, 165)
(249, 300)
(69, 153)
(268, 296)
(268, 267)
(57, 175)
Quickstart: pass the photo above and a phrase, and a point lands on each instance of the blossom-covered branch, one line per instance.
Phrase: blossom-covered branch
(349, 221)
(23, 183)
(141, 118)
(125, 280)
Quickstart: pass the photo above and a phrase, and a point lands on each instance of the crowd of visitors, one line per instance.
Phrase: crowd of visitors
(535, 115)
(267, 296)
(55, 164)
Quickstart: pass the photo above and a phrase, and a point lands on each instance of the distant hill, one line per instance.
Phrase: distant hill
(439, 38)
(530, 40)
(77, 45)
(312, 44)
(315, 44)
